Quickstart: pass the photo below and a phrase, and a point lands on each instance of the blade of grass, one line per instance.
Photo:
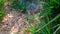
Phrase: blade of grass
(55, 26)
(56, 30)
(49, 22)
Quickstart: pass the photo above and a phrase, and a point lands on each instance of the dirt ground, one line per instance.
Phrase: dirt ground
(12, 22)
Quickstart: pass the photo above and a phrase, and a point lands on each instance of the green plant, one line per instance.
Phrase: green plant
(1, 9)
(46, 21)
(17, 4)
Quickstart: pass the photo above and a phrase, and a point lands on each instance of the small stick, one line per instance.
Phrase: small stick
(21, 12)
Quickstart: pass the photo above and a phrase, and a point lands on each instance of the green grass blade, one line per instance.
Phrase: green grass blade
(56, 30)
(49, 22)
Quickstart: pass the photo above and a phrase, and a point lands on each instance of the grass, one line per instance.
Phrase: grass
(1, 9)
(46, 21)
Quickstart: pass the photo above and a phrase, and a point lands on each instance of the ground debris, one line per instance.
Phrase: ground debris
(12, 23)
